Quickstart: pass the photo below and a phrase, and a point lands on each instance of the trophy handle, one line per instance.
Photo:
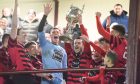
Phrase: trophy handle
(83, 8)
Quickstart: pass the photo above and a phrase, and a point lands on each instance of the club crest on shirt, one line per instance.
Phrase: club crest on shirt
(58, 55)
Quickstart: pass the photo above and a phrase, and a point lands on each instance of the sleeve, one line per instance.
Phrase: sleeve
(83, 30)
(86, 45)
(102, 78)
(102, 75)
(97, 48)
(2, 67)
(87, 48)
(101, 29)
(98, 77)
(65, 65)
(42, 23)
(64, 60)
(11, 42)
(68, 48)
(42, 40)
(115, 41)
(108, 29)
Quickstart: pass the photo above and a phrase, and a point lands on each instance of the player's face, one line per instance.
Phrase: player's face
(32, 49)
(22, 36)
(96, 56)
(78, 45)
(107, 61)
(114, 32)
(105, 46)
(55, 33)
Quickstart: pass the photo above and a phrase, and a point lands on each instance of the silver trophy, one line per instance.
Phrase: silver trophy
(72, 19)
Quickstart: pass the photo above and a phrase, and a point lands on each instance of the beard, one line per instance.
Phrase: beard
(77, 49)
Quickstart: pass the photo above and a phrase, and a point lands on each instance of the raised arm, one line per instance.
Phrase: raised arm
(41, 34)
(97, 48)
(84, 32)
(94, 46)
(47, 10)
(82, 28)
(68, 47)
(13, 33)
(100, 28)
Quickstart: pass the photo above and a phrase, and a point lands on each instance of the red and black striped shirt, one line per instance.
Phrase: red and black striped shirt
(17, 52)
(5, 61)
(84, 62)
(117, 44)
(80, 60)
(36, 62)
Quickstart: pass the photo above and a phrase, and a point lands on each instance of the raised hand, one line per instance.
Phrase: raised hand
(85, 38)
(13, 33)
(47, 8)
(14, 18)
(45, 75)
(98, 14)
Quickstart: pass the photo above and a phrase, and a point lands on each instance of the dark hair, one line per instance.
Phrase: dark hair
(102, 39)
(54, 29)
(112, 55)
(118, 5)
(77, 26)
(4, 37)
(27, 45)
(120, 28)
(78, 37)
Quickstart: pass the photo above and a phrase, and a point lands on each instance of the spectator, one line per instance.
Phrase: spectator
(1, 34)
(7, 13)
(30, 25)
(117, 15)
(4, 25)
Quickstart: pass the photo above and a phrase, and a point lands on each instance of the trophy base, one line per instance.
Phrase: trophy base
(65, 38)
